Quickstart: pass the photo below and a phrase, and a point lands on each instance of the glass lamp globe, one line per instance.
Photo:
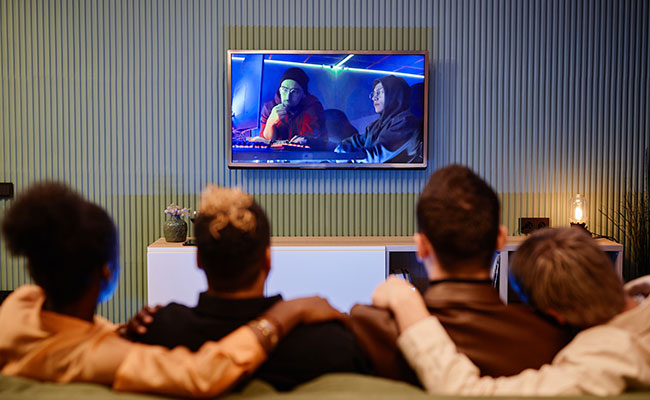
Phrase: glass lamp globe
(578, 210)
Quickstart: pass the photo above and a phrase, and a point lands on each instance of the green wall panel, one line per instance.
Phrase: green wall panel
(125, 101)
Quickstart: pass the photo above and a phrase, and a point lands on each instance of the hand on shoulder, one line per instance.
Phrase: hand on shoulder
(137, 325)
(402, 299)
(307, 310)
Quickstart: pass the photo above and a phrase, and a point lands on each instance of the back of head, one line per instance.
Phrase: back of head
(564, 270)
(232, 235)
(458, 212)
(65, 239)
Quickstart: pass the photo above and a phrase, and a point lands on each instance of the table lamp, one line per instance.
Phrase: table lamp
(578, 210)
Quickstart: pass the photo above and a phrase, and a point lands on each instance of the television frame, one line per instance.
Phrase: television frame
(328, 165)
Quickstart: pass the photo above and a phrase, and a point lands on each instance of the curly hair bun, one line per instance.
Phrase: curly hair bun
(227, 207)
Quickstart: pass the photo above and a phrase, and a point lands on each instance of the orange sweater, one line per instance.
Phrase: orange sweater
(54, 347)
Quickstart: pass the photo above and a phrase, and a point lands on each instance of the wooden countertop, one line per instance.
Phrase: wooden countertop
(512, 242)
(310, 241)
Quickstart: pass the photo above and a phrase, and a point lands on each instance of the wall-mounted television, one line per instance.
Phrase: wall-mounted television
(328, 109)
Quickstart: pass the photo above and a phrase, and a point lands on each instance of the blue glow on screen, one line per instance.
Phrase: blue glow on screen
(341, 82)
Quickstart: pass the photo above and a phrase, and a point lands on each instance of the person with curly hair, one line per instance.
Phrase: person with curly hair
(233, 250)
(50, 331)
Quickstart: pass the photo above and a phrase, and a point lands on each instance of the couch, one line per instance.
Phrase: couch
(331, 386)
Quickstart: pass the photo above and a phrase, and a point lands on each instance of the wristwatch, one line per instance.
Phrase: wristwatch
(266, 332)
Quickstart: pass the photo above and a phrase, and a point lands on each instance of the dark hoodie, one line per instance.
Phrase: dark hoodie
(396, 136)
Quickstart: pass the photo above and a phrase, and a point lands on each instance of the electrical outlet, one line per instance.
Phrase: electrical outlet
(6, 190)
(528, 225)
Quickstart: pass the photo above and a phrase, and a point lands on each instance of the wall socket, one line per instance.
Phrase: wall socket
(6, 190)
(528, 225)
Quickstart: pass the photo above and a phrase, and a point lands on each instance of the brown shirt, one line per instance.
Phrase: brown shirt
(502, 340)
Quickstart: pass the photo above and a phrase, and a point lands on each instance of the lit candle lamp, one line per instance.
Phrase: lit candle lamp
(578, 209)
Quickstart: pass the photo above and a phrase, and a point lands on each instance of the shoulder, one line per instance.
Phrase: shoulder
(605, 357)
(23, 304)
(169, 322)
(600, 339)
(372, 324)
(25, 294)
(404, 120)
(328, 334)
(636, 320)
(311, 103)
(326, 344)
(171, 310)
(517, 323)
(483, 320)
(377, 332)
(534, 320)
(174, 316)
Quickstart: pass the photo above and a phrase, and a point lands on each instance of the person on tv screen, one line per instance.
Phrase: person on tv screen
(294, 114)
(396, 137)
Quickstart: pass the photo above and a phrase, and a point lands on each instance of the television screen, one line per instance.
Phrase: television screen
(328, 109)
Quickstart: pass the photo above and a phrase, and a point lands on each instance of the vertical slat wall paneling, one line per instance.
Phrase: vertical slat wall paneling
(125, 101)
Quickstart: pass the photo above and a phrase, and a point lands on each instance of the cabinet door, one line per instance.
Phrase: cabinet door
(343, 275)
(173, 276)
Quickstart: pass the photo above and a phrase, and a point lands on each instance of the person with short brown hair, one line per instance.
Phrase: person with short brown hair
(458, 220)
(459, 215)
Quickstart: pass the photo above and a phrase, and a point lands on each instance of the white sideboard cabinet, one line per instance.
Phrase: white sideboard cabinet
(345, 270)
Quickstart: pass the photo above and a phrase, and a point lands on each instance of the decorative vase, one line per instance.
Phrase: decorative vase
(175, 229)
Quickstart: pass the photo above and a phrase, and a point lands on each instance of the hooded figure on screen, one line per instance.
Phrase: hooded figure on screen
(294, 114)
(396, 137)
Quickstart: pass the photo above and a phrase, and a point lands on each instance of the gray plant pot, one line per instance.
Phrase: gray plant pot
(175, 230)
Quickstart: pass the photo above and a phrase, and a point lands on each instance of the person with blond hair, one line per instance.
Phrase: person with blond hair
(565, 274)
(233, 250)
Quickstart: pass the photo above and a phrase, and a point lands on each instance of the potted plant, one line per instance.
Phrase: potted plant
(633, 220)
(175, 229)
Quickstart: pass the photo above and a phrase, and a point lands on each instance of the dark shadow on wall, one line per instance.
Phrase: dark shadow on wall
(442, 108)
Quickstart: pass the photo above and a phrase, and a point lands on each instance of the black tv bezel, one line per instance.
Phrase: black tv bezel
(337, 166)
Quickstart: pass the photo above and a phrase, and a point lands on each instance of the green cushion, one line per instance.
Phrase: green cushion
(22, 388)
(330, 387)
